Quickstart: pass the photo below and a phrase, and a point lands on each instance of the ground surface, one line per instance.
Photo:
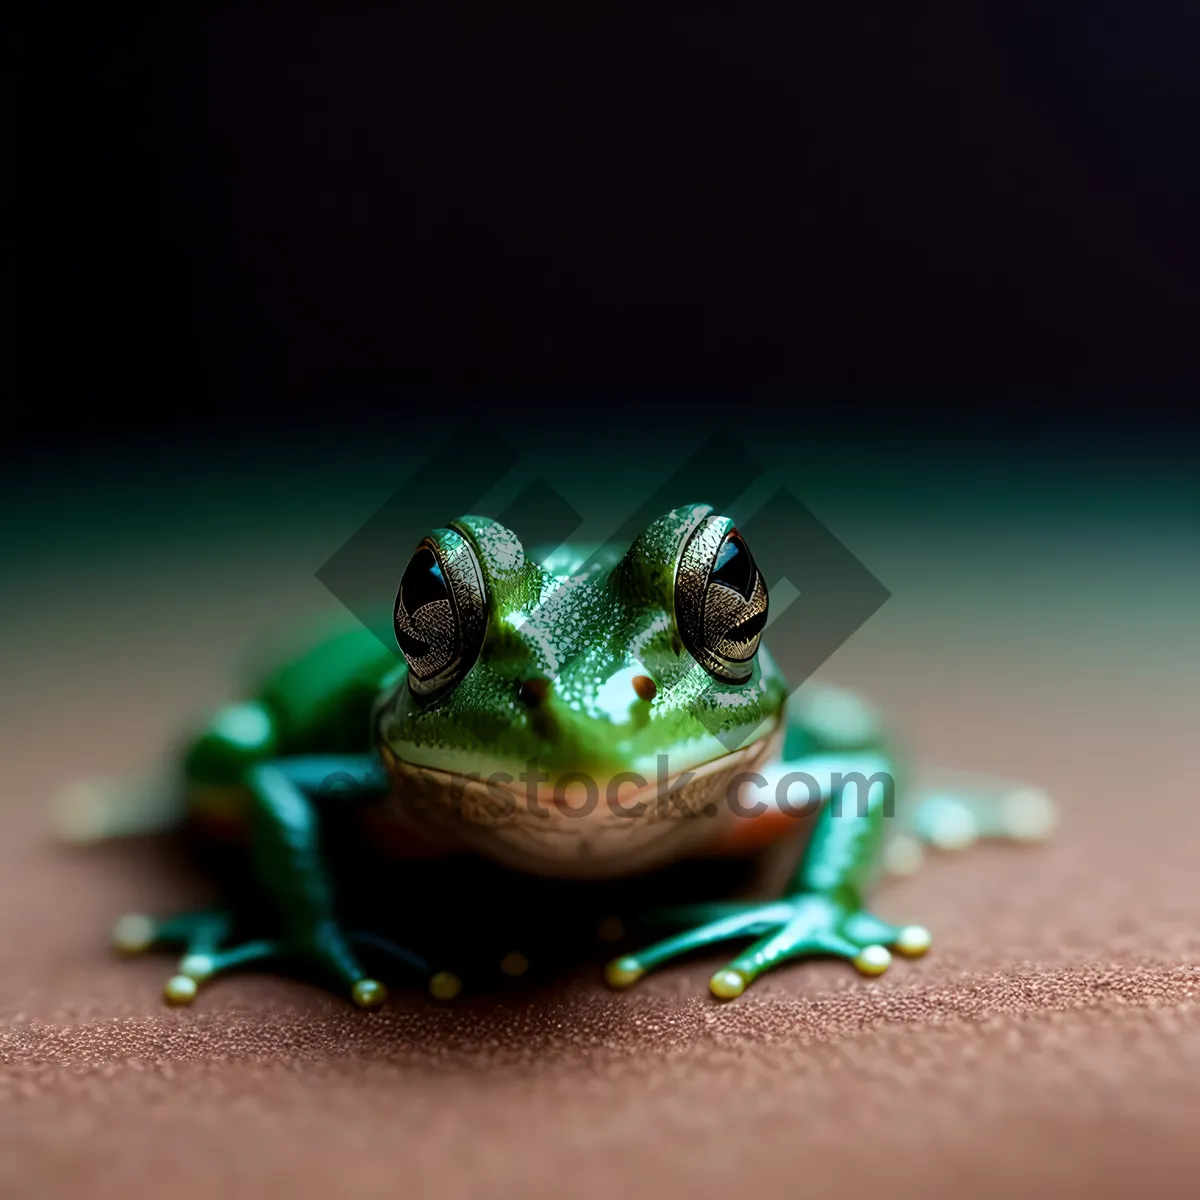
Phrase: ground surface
(1050, 1043)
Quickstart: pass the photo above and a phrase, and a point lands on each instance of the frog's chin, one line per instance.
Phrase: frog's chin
(579, 824)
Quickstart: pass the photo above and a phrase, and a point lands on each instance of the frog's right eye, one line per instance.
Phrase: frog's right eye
(441, 612)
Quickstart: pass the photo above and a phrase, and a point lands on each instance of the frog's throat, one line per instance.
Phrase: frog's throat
(590, 826)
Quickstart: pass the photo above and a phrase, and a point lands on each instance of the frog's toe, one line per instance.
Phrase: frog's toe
(742, 921)
(867, 930)
(193, 932)
(208, 952)
(368, 993)
(983, 808)
(199, 934)
(794, 940)
(873, 959)
(196, 966)
(912, 941)
(200, 966)
(727, 984)
(795, 930)
(133, 933)
(445, 985)
(623, 972)
(180, 989)
(202, 937)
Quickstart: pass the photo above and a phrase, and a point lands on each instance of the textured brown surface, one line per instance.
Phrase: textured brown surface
(1050, 1044)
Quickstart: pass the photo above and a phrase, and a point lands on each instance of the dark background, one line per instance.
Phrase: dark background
(921, 220)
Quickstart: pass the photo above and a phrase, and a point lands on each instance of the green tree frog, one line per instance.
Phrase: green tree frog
(593, 713)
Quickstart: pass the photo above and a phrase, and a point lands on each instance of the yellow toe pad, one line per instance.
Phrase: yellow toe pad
(180, 989)
(622, 972)
(445, 985)
(873, 960)
(913, 941)
(727, 984)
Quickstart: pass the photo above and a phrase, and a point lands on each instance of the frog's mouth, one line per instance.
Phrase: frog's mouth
(577, 823)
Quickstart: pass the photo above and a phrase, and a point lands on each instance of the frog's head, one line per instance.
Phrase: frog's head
(550, 704)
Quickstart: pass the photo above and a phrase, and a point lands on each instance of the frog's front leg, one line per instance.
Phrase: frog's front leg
(290, 869)
(822, 913)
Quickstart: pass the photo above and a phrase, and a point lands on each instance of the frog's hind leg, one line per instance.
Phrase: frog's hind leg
(959, 808)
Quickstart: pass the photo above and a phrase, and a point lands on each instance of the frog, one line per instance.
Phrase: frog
(585, 712)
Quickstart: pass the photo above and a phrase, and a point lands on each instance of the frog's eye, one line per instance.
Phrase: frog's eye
(720, 600)
(441, 612)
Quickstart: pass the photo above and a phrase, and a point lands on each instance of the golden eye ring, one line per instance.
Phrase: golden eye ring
(720, 600)
(440, 614)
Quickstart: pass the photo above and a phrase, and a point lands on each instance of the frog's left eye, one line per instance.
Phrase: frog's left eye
(720, 600)
(441, 612)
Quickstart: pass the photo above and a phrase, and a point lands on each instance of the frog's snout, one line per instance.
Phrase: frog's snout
(556, 714)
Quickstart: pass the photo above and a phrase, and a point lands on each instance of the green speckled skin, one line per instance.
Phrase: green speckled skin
(585, 626)
(614, 620)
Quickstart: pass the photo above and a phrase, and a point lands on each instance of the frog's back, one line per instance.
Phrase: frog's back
(321, 699)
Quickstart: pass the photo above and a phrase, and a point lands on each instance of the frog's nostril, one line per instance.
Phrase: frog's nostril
(533, 692)
(645, 687)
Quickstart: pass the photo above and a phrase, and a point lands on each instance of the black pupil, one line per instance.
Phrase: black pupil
(749, 628)
(422, 584)
(734, 567)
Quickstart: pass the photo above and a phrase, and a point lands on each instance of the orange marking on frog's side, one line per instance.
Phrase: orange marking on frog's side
(748, 834)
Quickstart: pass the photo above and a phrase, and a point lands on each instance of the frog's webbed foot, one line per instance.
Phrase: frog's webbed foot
(209, 950)
(802, 926)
